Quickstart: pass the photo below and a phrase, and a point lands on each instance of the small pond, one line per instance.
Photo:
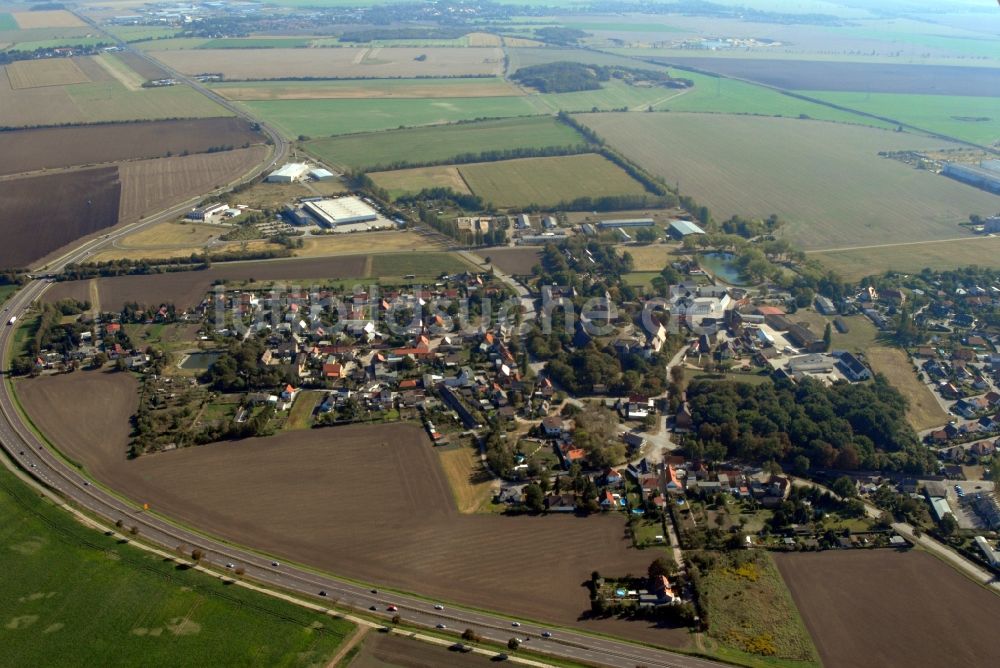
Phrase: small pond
(722, 266)
(200, 361)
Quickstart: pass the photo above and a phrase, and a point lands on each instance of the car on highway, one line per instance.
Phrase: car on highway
(322, 592)
(392, 608)
(373, 607)
(515, 624)
(439, 607)
(230, 565)
(374, 591)
(275, 564)
(546, 634)
(441, 626)
(501, 657)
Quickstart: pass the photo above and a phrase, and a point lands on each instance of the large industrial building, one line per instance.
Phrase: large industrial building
(629, 222)
(293, 171)
(206, 213)
(320, 174)
(340, 211)
(987, 179)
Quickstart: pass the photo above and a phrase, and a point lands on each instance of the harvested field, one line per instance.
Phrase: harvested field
(48, 148)
(842, 76)
(548, 181)
(152, 185)
(825, 179)
(471, 485)
(368, 88)
(381, 650)
(869, 608)
(369, 151)
(349, 62)
(855, 264)
(92, 68)
(278, 494)
(171, 234)
(404, 181)
(351, 244)
(924, 410)
(187, 289)
(182, 252)
(47, 72)
(141, 66)
(57, 18)
(514, 261)
(41, 214)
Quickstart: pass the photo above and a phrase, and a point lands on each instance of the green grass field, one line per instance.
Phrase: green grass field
(548, 181)
(322, 118)
(300, 417)
(973, 119)
(435, 143)
(256, 43)
(172, 44)
(72, 596)
(65, 41)
(140, 33)
(367, 88)
(825, 179)
(7, 22)
(421, 265)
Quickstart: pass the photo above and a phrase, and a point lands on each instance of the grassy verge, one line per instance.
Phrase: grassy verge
(73, 596)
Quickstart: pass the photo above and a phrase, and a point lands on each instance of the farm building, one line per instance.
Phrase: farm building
(522, 221)
(825, 306)
(293, 171)
(853, 368)
(320, 174)
(549, 222)
(207, 212)
(975, 176)
(340, 211)
(683, 228)
(627, 222)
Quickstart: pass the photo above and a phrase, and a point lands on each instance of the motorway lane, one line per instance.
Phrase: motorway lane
(25, 448)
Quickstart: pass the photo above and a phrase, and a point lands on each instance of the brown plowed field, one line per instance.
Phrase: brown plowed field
(151, 185)
(186, 289)
(48, 148)
(515, 261)
(40, 214)
(52, 18)
(93, 69)
(382, 650)
(142, 67)
(366, 502)
(45, 72)
(349, 62)
(882, 608)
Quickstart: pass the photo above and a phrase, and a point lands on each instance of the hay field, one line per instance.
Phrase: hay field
(280, 495)
(348, 62)
(404, 181)
(371, 150)
(58, 18)
(368, 88)
(351, 244)
(825, 179)
(151, 185)
(47, 72)
(924, 410)
(869, 608)
(855, 264)
(548, 181)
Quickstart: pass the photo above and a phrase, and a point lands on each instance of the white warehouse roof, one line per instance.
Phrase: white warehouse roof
(341, 210)
(289, 172)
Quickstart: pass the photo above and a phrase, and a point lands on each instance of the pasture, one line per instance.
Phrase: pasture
(548, 181)
(41, 214)
(855, 264)
(923, 411)
(869, 608)
(73, 596)
(367, 88)
(47, 148)
(972, 119)
(826, 180)
(432, 144)
(407, 181)
(653, 257)
(47, 72)
(152, 185)
(426, 265)
(347, 62)
(279, 494)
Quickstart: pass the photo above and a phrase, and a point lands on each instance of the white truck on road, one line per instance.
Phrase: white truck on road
(12, 320)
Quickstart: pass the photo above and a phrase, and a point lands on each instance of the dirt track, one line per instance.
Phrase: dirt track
(881, 608)
(370, 503)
